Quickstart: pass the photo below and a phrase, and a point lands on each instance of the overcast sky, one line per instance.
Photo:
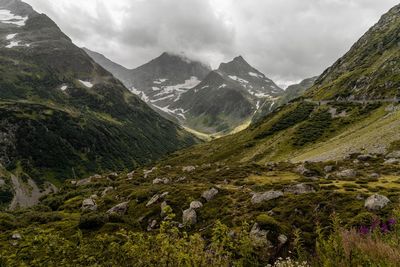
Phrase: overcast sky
(288, 40)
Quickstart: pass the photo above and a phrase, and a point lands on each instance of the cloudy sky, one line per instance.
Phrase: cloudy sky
(288, 40)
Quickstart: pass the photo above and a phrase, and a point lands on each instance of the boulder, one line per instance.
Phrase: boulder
(374, 176)
(391, 161)
(89, 205)
(328, 169)
(349, 173)
(16, 236)
(164, 204)
(161, 181)
(376, 202)
(196, 205)
(188, 168)
(303, 170)
(119, 209)
(130, 175)
(209, 194)
(147, 172)
(258, 236)
(113, 175)
(189, 217)
(299, 189)
(282, 239)
(156, 198)
(89, 180)
(266, 196)
(364, 157)
(107, 190)
(394, 154)
(151, 225)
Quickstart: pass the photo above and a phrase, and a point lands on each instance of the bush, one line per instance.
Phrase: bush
(267, 222)
(92, 220)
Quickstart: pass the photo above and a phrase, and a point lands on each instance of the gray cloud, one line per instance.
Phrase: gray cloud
(287, 39)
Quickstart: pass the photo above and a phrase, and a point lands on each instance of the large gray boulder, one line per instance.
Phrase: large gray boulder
(376, 202)
(394, 154)
(89, 205)
(266, 196)
(156, 198)
(119, 209)
(299, 189)
(189, 217)
(258, 236)
(209, 194)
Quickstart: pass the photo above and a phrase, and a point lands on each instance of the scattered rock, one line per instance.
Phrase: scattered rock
(374, 176)
(181, 179)
(107, 190)
(282, 239)
(349, 173)
(2, 182)
(119, 209)
(394, 154)
(147, 172)
(89, 205)
(359, 197)
(328, 168)
(391, 161)
(189, 217)
(376, 202)
(161, 181)
(366, 164)
(151, 225)
(113, 175)
(299, 189)
(156, 198)
(209, 194)
(130, 175)
(266, 196)
(94, 196)
(259, 236)
(196, 205)
(356, 161)
(89, 180)
(188, 168)
(16, 236)
(163, 206)
(303, 170)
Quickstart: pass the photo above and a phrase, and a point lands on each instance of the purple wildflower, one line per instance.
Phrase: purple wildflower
(384, 228)
(391, 221)
(364, 230)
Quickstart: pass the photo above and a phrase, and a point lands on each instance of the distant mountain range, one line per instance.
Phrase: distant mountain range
(190, 93)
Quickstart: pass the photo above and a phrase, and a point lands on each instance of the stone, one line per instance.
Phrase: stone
(196, 205)
(189, 217)
(303, 170)
(2, 182)
(181, 179)
(106, 191)
(376, 202)
(147, 172)
(94, 196)
(89, 205)
(188, 168)
(394, 154)
(374, 175)
(259, 236)
(299, 189)
(209, 194)
(349, 173)
(119, 209)
(130, 175)
(113, 175)
(391, 161)
(89, 180)
(161, 181)
(328, 168)
(156, 198)
(257, 198)
(163, 205)
(151, 225)
(282, 239)
(16, 236)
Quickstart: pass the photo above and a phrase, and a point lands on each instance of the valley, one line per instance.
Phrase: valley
(176, 163)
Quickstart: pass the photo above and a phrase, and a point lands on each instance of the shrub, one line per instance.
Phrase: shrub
(267, 222)
(92, 220)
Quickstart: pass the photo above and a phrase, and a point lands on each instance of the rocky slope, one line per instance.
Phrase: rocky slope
(370, 70)
(226, 98)
(61, 114)
(292, 92)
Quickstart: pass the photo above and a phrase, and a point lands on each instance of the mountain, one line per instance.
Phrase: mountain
(226, 98)
(61, 114)
(292, 92)
(370, 70)
(119, 72)
(159, 82)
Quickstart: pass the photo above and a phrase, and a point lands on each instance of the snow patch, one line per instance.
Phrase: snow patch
(162, 98)
(86, 83)
(7, 17)
(204, 87)
(178, 112)
(256, 75)
(222, 86)
(11, 36)
(155, 88)
(236, 78)
(160, 81)
(13, 44)
(140, 94)
(64, 87)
